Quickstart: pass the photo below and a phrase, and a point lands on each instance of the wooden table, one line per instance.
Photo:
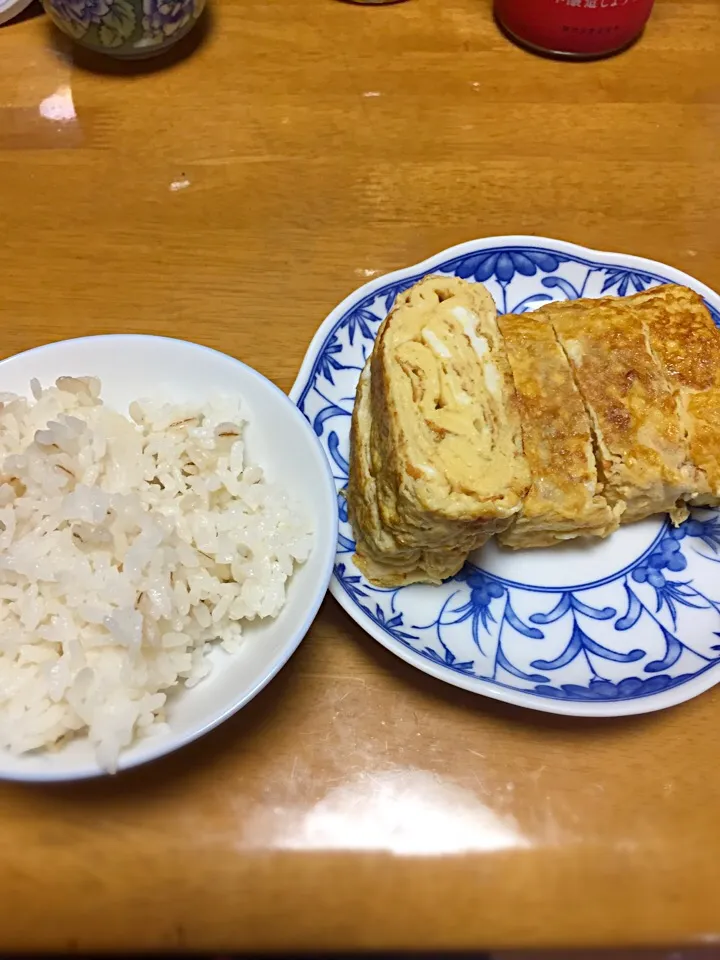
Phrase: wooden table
(233, 198)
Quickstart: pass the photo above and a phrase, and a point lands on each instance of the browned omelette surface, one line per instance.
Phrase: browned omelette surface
(686, 341)
(564, 500)
(641, 445)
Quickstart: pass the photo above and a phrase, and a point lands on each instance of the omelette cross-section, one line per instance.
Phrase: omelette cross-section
(378, 554)
(445, 448)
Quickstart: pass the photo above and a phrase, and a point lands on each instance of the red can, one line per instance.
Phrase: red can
(574, 28)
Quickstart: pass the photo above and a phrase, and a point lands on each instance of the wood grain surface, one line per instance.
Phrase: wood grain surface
(233, 196)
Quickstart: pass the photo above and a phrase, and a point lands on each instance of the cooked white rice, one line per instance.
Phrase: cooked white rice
(128, 546)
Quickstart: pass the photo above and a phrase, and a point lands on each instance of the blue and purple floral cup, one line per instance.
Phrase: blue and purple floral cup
(125, 28)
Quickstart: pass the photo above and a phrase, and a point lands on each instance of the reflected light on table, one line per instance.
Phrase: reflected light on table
(404, 812)
(59, 106)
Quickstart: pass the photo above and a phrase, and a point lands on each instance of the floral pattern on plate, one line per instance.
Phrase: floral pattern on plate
(626, 625)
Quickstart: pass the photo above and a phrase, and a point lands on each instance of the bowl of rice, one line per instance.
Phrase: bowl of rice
(168, 525)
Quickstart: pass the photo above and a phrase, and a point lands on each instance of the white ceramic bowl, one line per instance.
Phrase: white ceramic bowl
(12, 8)
(279, 438)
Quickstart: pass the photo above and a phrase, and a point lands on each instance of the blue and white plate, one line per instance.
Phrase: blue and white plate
(627, 625)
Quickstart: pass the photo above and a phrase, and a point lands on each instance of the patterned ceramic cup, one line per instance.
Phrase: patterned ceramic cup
(125, 28)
